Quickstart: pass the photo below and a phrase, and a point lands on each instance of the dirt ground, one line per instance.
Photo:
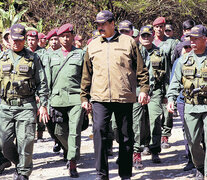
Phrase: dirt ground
(50, 166)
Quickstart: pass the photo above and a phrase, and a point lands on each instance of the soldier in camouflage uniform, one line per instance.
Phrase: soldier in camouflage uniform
(32, 41)
(191, 76)
(155, 60)
(21, 75)
(168, 46)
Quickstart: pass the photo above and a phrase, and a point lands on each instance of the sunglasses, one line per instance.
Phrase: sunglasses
(186, 47)
(168, 30)
(145, 35)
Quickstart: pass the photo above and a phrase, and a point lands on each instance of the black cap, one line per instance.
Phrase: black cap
(104, 16)
(125, 25)
(18, 32)
(146, 30)
(198, 31)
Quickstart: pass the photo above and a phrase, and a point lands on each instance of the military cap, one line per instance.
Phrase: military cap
(6, 32)
(135, 33)
(53, 32)
(78, 37)
(168, 27)
(198, 31)
(125, 25)
(41, 36)
(65, 28)
(32, 33)
(18, 32)
(159, 20)
(104, 16)
(146, 30)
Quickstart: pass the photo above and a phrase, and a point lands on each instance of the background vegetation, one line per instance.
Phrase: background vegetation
(47, 14)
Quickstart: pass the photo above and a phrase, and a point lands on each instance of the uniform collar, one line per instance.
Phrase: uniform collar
(114, 38)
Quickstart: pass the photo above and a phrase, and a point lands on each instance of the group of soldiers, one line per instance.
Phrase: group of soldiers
(128, 79)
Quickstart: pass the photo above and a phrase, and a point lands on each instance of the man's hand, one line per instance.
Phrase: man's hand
(164, 100)
(37, 99)
(42, 111)
(143, 98)
(170, 107)
(87, 106)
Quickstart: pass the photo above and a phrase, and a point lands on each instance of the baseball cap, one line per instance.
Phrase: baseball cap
(159, 20)
(135, 33)
(125, 25)
(41, 36)
(65, 28)
(198, 31)
(53, 32)
(104, 16)
(18, 32)
(146, 30)
(32, 33)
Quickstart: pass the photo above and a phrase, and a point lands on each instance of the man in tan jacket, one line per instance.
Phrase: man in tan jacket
(113, 68)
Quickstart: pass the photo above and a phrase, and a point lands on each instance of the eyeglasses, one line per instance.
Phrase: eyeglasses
(168, 30)
(186, 47)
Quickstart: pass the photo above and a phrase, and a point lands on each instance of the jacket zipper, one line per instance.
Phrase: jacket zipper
(108, 45)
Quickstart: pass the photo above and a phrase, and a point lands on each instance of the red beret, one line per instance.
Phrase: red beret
(65, 28)
(32, 33)
(41, 36)
(159, 20)
(53, 32)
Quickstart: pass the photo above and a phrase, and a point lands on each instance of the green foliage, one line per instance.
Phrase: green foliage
(44, 15)
(10, 17)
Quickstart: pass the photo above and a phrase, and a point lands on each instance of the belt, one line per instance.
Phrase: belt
(17, 101)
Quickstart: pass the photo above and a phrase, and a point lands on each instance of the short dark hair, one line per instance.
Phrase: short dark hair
(110, 20)
(188, 24)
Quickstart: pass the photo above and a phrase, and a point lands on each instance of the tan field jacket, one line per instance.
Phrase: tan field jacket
(112, 70)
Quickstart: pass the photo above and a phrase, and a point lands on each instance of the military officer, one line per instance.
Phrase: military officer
(22, 76)
(126, 27)
(53, 39)
(4, 163)
(32, 41)
(54, 44)
(42, 40)
(168, 46)
(64, 72)
(155, 60)
(5, 38)
(78, 41)
(190, 75)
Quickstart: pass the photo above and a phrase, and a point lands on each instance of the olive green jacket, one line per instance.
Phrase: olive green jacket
(112, 70)
(162, 82)
(65, 90)
(176, 84)
(41, 86)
